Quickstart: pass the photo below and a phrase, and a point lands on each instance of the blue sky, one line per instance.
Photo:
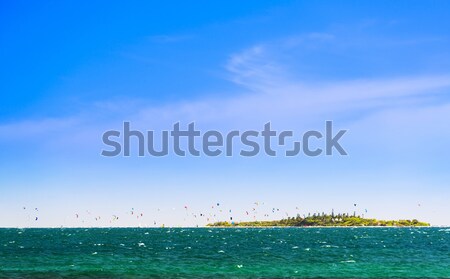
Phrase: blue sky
(71, 71)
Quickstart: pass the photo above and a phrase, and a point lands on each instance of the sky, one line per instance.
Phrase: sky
(71, 71)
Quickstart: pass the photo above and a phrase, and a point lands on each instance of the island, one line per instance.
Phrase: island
(324, 220)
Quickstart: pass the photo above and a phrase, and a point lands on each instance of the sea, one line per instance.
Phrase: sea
(225, 253)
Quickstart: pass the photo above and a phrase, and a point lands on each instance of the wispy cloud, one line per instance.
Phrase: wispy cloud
(269, 93)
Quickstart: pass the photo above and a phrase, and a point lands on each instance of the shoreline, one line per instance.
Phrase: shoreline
(230, 227)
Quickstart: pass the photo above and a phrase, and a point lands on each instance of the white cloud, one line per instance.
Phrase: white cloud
(270, 93)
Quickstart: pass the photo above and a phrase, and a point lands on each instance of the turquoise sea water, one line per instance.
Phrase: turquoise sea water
(225, 253)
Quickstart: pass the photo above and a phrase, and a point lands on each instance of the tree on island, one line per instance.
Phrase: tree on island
(325, 220)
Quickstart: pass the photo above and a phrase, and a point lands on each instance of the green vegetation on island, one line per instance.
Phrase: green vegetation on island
(324, 220)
